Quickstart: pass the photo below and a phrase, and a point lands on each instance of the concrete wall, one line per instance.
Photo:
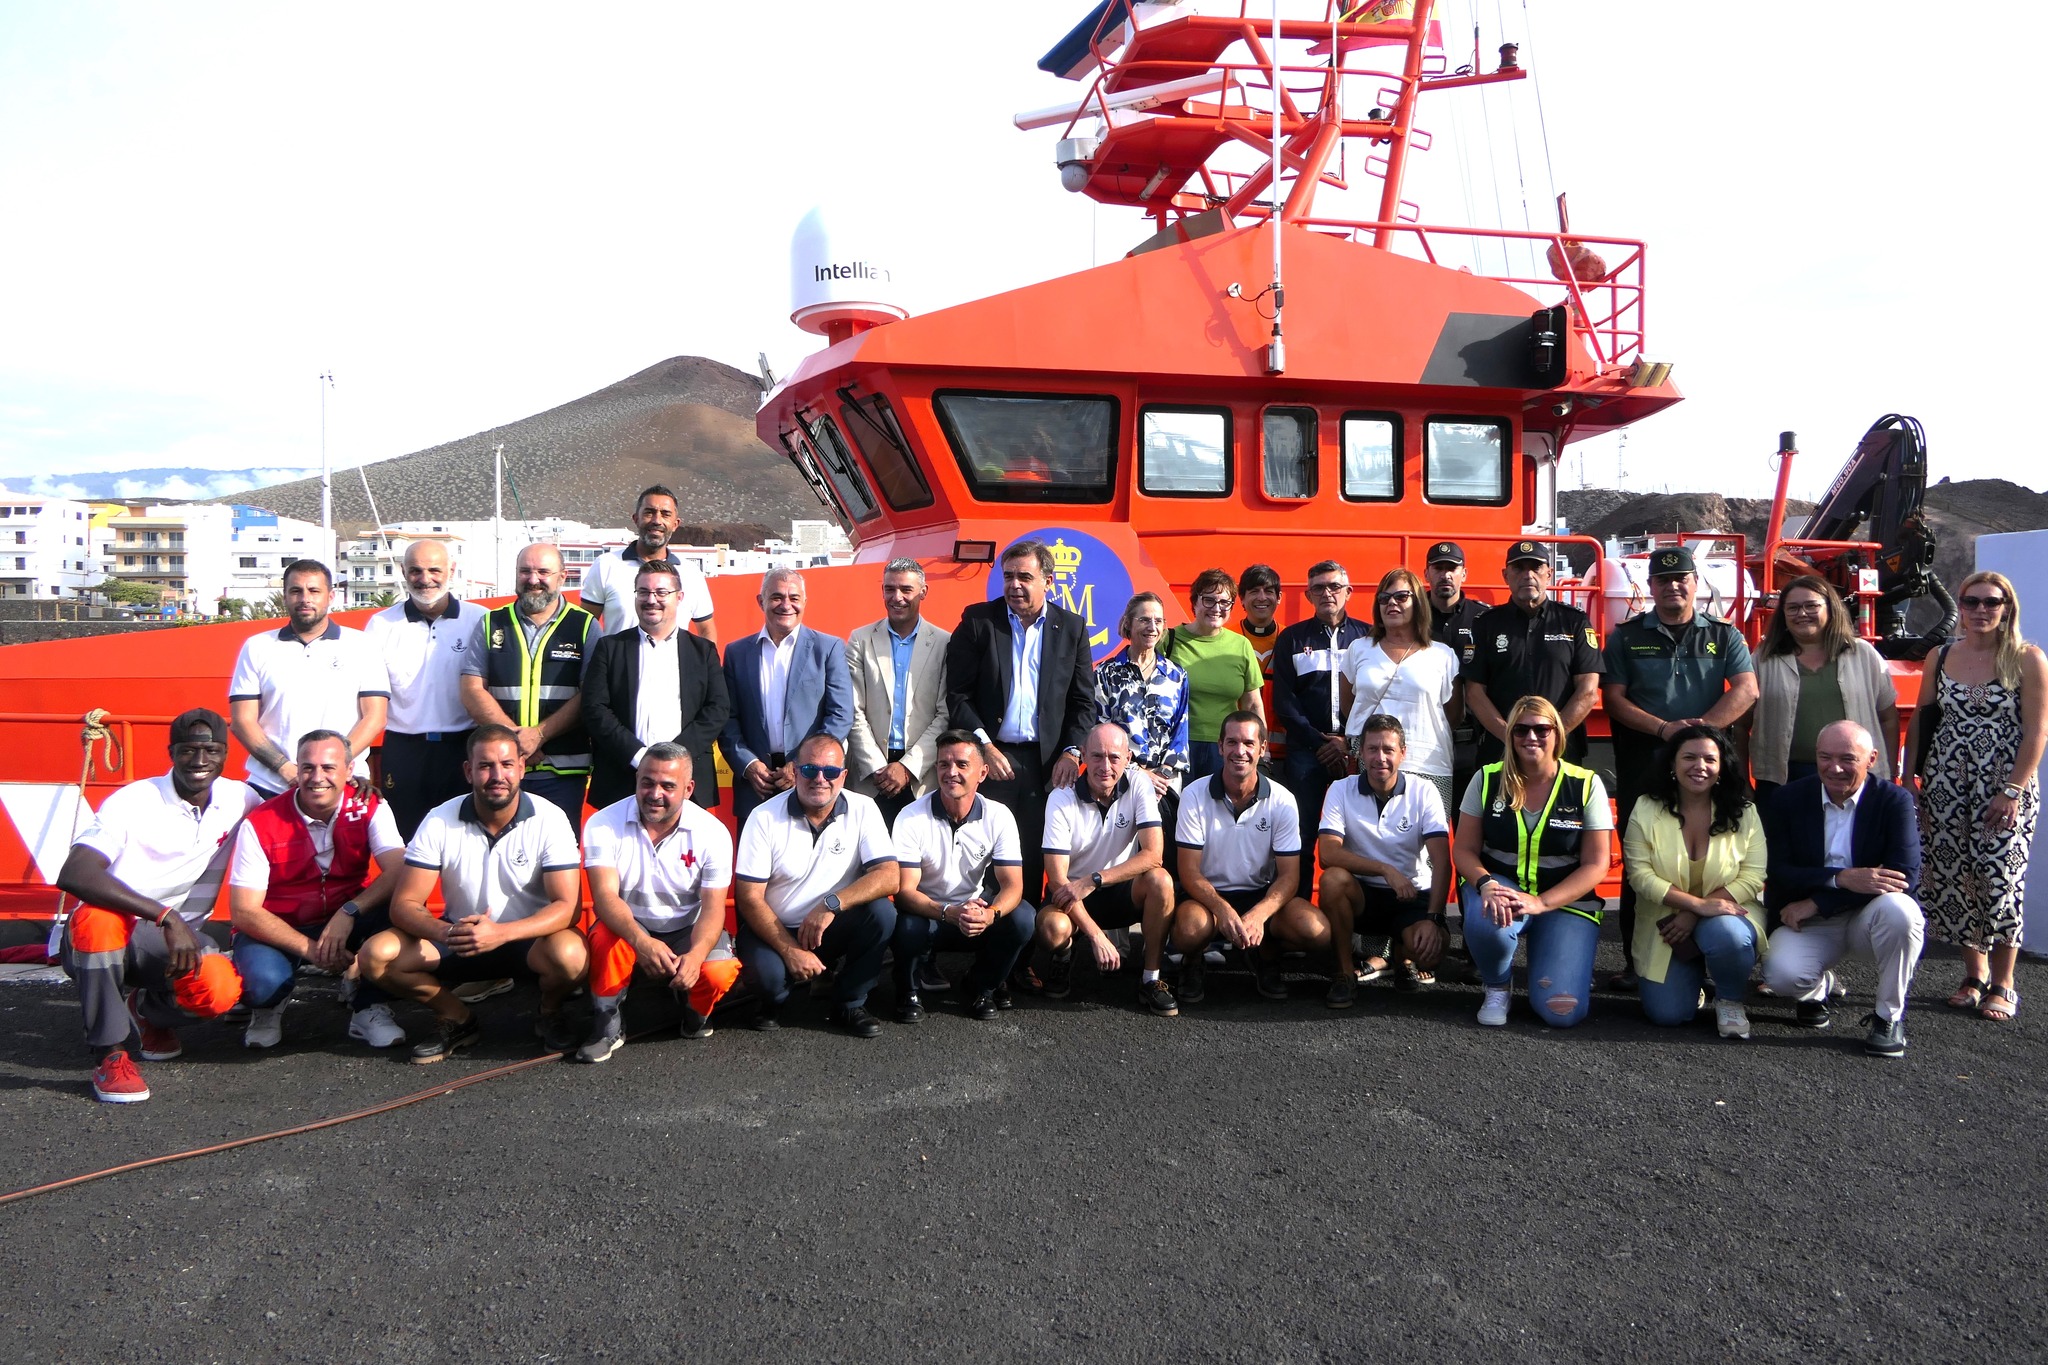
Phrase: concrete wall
(2022, 556)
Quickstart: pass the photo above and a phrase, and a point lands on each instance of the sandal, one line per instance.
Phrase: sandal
(2001, 1005)
(1372, 969)
(1969, 995)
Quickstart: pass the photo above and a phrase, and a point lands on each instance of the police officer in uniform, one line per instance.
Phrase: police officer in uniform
(1532, 646)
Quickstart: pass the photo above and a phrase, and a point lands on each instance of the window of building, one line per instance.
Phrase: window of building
(21, 561)
(127, 561)
(1372, 456)
(1032, 447)
(1289, 463)
(1186, 451)
(248, 561)
(875, 430)
(1466, 460)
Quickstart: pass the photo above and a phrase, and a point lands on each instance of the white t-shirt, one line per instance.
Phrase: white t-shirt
(1093, 836)
(1240, 851)
(423, 661)
(299, 688)
(161, 846)
(608, 589)
(957, 862)
(663, 884)
(1392, 831)
(251, 867)
(798, 866)
(499, 879)
(1414, 693)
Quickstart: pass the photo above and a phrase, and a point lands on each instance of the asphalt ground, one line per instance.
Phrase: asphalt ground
(1251, 1181)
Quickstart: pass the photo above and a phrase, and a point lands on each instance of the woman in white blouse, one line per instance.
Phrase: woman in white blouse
(1399, 671)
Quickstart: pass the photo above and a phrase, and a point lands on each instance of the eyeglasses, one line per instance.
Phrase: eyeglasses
(1391, 599)
(655, 594)
(1805, 608)
(1972, 602)
(1211, 600)
(1320, 588)
(1533, 731)
(811, 772)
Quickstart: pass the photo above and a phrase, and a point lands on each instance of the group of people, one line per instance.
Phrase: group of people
(989, 790)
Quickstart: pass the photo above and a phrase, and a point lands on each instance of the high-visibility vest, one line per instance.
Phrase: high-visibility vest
(300, 893)
(532, 684)
(1534, 861)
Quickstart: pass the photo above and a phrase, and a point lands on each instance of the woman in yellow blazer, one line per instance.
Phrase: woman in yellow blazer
(1694, 852)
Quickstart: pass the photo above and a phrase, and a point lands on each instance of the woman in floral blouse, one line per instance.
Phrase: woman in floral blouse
(1147, 694)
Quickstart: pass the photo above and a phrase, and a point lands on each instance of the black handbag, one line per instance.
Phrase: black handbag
(1928, 713)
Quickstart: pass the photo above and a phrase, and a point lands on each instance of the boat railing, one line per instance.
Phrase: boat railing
(121, 758)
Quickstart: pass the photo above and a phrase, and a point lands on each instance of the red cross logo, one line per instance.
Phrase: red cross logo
(689, 859)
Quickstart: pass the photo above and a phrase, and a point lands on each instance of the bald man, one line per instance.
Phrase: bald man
(423, 642)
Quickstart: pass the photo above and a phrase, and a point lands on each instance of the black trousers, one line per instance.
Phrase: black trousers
(1024, 794)
(419, 772)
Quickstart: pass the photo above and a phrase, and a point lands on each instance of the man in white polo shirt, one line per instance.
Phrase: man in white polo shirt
(660, 866)
(507, 865)
(1385, 846)
(1104, 869)
(812, 882)
(423, 643)
(1240, 866)
(155, 851)
(962, 883)
(309, 674)
(608, 580)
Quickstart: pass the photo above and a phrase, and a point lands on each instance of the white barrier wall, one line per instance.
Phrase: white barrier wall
(2022, 556)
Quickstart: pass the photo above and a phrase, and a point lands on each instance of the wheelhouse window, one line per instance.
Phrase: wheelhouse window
(840, 470)
(874, 428)
(1289, 466)
(1372, 457)
(1465, 459)
(1186, 451)
(1032, 447)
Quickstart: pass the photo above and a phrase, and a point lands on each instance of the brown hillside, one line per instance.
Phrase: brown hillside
(686, 422)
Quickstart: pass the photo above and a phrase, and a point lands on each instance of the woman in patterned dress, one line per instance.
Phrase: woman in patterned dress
(1979, 797)
(1147, 694)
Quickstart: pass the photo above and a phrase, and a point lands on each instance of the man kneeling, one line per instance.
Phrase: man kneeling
(660, 866)
(1385, 846)
(507, 866)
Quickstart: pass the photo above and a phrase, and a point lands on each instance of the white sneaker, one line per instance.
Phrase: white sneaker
(1731, 1019)
(266, 1027)
(375, 1026)
(1494, 1012)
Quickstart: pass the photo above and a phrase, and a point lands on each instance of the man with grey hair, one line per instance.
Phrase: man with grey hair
(785, 684)
(424, 642)
(898, 666)
(1844, 865)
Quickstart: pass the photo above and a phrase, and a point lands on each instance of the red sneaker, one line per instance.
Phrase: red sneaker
(116, 1080)
(159, 1044)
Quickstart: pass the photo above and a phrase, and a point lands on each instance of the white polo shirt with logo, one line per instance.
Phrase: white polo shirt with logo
(164, 848)
(423, 662)
(608, 589)
(663, 883)
(1095, 836)
(957, 862)
(302, 687)
(796, 865)
(1239, 851)
(1392, 831)
(498, 878)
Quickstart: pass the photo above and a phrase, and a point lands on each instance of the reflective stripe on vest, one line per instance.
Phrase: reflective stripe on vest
(541, 684)
(1539, 860)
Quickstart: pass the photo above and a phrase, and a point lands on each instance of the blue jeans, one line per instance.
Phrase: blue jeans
(1561, 948)
(268, 973)
(996, 948)
(856, 941)
(1727, 946)
(1205, 757)
(1308, 781)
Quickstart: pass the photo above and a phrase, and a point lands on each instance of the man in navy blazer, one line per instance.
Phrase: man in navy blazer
(1844, 865)
(651, 684)
(1020, 678)
(786, 684)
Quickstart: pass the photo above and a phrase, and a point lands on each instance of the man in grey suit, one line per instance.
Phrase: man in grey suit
(786, 684)
(899, 694)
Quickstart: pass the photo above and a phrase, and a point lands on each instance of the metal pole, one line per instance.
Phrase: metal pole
(1276, 351)
(326, 474)
(498, 520)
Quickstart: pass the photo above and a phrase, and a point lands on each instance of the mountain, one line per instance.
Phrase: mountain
(687, 422)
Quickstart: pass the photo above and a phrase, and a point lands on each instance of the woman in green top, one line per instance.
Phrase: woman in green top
(1811, 672)
(1222, 667)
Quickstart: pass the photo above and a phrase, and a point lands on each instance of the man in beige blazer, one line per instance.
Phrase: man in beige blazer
(899, 694)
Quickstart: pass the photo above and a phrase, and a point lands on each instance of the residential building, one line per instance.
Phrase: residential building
(45, 548)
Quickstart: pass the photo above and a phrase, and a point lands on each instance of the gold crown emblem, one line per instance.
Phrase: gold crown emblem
(1066, 559)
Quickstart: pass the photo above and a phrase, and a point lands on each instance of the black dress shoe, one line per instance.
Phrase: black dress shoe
(767, 1019)
(1812, 1014)
(983, 1006)
(856, 1020)
(909, 1008)
(1005, 1000)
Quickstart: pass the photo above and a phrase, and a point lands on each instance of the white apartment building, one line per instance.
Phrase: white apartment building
(200, 554)
(45, 548)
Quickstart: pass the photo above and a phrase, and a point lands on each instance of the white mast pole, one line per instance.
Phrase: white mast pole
(1276, 353)
(498, 519)
(326, 473)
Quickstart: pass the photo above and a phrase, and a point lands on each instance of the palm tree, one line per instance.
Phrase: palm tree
(386, 598)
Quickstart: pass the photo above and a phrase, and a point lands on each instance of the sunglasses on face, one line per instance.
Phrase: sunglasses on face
(811, 772)
(1329, 587)
(1533, 731)
(1972, 602)
(1396, 599)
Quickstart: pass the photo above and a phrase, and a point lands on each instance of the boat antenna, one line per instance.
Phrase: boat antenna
(326, 473)
(1276, 351)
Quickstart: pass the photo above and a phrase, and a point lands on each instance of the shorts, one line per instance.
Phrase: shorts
(505, 960)
(1243, 901)
(1112, 907)
(1386, 913)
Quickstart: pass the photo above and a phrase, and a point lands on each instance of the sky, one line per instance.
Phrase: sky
(469, 213)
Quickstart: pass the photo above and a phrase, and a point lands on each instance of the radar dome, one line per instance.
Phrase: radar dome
(841, 280)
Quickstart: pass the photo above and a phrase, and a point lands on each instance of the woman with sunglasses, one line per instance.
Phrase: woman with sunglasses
(1532, 845)
(1979, 797)
(1222, 667)
(1400, 671)
(1811, 672)
(1695, 854)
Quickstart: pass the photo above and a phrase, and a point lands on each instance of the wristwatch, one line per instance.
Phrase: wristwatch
(1095, 878)
(351, 909)
(830, 904)
(2013, 793)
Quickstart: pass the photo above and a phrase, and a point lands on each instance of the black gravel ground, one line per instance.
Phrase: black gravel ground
(1251, 1181)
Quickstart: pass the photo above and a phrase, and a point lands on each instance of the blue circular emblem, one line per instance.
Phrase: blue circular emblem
(1088, 579)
